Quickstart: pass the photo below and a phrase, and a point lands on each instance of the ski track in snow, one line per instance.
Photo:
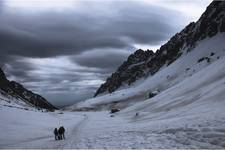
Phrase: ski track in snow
(71, 140)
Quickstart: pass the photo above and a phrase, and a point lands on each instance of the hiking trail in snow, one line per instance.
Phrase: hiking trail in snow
(100, 131)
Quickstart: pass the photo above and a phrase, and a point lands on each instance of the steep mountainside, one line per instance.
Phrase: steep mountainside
(147, 63)
(17, 91)
(189, 52)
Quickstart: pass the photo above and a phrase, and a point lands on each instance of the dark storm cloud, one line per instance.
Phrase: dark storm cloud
(47, 44)
(55, 34)
(16, 67)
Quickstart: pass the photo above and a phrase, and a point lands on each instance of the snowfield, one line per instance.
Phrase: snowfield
(29, 129)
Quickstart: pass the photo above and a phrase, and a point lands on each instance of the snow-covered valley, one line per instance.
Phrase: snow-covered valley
(190, 114)
(175, 129)
(173, 98)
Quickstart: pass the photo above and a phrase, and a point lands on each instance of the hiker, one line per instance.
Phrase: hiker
(61, 132)
(56, 134)
(137, 114)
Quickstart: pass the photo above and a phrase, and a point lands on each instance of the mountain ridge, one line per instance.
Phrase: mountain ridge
(17, 90)
(146, 63)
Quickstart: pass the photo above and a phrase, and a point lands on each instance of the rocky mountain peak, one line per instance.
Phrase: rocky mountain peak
(142, 64)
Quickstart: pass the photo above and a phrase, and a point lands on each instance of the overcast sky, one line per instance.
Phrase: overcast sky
(64, 50)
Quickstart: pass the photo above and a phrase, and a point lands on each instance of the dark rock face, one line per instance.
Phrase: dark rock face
(18, 91)
(3, 80)
(128, 72)
(204, 58)
(114, 110)
(144, 63)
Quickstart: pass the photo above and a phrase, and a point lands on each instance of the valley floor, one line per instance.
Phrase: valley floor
(29, 129)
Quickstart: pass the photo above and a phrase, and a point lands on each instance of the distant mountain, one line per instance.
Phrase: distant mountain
(143, 64)
(17, 91)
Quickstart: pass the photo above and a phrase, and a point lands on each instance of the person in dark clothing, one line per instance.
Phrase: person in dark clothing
(56, 134)
(61, 132)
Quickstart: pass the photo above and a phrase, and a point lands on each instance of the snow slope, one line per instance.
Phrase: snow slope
(184, 67)
(201, 95)
(10, 101)
(6, 100)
